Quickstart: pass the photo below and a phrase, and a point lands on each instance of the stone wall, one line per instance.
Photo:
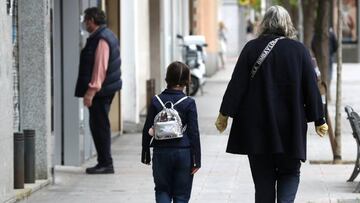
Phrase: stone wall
(34, 71)
(6, 108)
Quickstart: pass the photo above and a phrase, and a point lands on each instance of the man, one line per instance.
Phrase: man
(98, 80)
(332, 50)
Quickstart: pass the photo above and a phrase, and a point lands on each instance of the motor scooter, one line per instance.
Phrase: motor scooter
(194, 55)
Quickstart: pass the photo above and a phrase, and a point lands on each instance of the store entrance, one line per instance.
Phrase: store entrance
(72, 138)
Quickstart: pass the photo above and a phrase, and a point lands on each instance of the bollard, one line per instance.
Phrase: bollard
(18, 160)
(29, 146)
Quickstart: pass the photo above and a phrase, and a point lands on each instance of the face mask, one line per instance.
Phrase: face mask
(83, 26)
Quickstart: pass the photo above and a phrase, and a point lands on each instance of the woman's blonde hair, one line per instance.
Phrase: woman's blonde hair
(277, 21)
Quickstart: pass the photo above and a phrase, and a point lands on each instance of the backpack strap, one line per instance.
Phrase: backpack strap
(172, 105)
(161, 102)
(180, 100)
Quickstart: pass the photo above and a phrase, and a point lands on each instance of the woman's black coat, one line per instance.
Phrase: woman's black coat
(270, 112)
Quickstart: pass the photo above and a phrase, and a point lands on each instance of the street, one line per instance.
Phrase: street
(223, 177)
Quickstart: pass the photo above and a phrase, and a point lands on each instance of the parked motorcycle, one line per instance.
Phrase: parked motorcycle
(194, 56)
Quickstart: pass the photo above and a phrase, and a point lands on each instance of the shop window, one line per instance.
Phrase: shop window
(349, 20)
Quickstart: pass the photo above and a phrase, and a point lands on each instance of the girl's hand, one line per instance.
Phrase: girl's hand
(145, 156)
(194, 170)
(151, 131)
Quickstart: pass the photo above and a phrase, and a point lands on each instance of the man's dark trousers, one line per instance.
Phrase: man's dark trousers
(275, 177)
(100, 128)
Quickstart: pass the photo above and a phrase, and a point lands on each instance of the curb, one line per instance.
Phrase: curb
(21, 194)
(331, 162)
(336, 201)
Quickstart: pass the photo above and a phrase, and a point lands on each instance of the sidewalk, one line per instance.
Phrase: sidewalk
(223, 178)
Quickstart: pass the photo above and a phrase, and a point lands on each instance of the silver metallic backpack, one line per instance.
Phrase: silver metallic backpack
(167, 123)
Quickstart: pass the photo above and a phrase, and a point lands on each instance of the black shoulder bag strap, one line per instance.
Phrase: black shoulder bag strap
(263, 56)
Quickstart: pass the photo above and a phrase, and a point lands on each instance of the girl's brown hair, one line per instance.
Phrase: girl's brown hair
(178, 74)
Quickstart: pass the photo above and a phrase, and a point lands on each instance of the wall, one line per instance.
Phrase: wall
(174, 19)
(167, 19)
(148, 46)
(235, 22)
(34, 72)
(143, 56)
(206, 23)
(155, 43)
(6, 108)
(113, 23)
(135, 59)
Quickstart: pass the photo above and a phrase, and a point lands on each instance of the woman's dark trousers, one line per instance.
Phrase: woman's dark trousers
(275, 177)
(172, 174)
(100, 128)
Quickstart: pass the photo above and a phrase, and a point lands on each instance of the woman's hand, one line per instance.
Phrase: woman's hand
(221, 122)
(321, 130)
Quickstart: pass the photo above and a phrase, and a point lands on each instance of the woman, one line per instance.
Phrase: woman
(271, 108)
(222, 44)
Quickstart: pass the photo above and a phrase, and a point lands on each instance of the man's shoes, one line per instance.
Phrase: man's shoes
(100, 169)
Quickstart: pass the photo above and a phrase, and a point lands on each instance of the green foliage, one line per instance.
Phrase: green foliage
(293, 3)
(256, 4)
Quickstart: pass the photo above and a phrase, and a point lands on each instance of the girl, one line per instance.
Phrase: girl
(175, 161)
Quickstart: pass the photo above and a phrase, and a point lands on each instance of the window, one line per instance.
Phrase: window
(349, 20)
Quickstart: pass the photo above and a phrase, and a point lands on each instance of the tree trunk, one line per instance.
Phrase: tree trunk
(309, 14)
(321, 51)
(321, 38)
(337, 156)
(301, 21)
(292, 10)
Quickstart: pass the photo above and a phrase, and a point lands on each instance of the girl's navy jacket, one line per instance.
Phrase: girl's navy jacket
(188, 114)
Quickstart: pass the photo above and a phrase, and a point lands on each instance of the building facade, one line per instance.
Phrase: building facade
(45, 65)
(234, 19)
(204, 21)
(6, 106)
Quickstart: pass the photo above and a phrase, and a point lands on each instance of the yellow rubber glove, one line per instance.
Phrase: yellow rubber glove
(221, 122)
(321, 130)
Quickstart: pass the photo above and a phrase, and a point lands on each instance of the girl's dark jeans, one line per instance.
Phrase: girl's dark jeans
(172, 174)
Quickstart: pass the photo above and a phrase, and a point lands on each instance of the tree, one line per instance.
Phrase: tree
(309, 15)
(321, 38)
(321, 51)
(338, 85)
(292, 7)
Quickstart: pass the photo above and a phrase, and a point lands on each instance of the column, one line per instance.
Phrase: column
(155, 44)
(207, 20)
(34, 66)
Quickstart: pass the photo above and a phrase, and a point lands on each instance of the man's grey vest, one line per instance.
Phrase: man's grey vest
(112, 82)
